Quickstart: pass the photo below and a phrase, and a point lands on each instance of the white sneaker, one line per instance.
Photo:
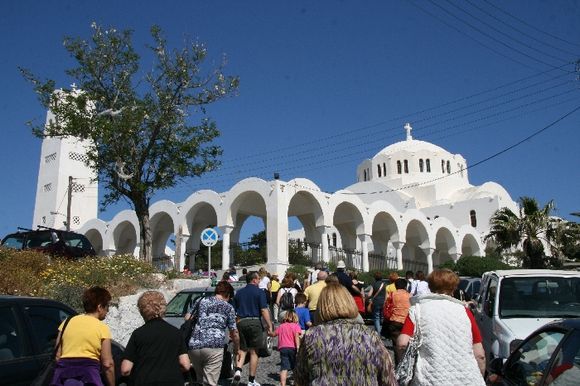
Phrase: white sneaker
(237, 377)
(253, 383)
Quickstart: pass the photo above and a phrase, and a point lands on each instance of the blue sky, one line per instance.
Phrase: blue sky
(327, 84)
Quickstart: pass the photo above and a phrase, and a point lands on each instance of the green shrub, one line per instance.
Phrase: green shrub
(477, 265)
(301, 271)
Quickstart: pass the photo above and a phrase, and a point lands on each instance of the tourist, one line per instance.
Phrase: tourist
(393, 276)
(250, 304)
(345, 279)
(420, 285)
(233, 274)
(156, 353)
(341, 350)
(377, 297)
(206, 347)
(409, 276)
(313, 292)
(395, 313)
(359, 298)
(283, 301)
(302, 312)
(450, 351)
(85, 349)
(265, 283)
(274, 288)
(288, 334)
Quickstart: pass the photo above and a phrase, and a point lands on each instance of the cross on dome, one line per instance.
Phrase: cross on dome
(408, 129)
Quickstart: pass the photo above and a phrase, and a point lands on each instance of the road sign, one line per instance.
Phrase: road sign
(209, 237)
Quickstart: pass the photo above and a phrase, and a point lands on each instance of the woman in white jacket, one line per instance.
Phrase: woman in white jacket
(451, 352)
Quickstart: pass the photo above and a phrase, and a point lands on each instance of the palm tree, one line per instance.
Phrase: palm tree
(532, 228)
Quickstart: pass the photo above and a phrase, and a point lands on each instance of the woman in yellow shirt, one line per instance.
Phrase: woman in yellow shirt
(86, 343)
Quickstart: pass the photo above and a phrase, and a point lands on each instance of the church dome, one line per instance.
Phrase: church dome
(411, 146)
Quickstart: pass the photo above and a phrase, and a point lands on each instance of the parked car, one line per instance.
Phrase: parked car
(55, 242)
(28, 331)
(549, 356)
(178, 307)
(512, 304)
(470, 286)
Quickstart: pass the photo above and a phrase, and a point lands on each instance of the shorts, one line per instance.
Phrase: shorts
(287, 358)
(251, 334)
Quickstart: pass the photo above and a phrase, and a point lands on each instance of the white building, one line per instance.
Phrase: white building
(412, 207)
(63, 160)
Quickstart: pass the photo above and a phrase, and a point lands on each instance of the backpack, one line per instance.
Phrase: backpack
(287, 300)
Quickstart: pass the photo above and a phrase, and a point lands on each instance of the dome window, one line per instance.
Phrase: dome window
(365, 175)
(379, 169)
(448, 167)
(428, 164)
(384, 169)
(406, 166)
(442, 166)
(473, 218)
(398, 167)
(421, 165)
(334, 239)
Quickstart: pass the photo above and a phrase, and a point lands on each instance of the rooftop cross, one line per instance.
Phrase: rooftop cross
(408, 129)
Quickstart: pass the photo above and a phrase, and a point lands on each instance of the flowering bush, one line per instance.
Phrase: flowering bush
(35, 274)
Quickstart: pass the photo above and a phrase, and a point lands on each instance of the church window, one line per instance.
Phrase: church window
(428, 165)
(334, 239)
(78, 157)
(473, 218)
(384, 170)
(442, 166)
(398, 167)
(365, 175)
(379, 168)
(448, 167)
(421, 165)
(47, 187)
(50, 158)
(406, 166)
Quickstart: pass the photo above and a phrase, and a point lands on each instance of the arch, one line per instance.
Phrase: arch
(445, 246)
(96, 230)
(416, 242)
(125, 238)
(198, 216)
(470, 246)
(348, 221)
(306, 207)
(96, 240)
(384, 231)
(162, 226)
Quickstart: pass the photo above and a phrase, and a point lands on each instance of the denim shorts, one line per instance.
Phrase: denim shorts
(287, 358)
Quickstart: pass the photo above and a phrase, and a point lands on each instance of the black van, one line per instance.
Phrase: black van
(52, 241)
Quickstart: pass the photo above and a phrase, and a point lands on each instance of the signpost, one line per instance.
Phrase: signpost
(209, 238)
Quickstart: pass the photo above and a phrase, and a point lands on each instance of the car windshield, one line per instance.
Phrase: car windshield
(14, 241)
(540, 297)
(463, 284)
(179, 305)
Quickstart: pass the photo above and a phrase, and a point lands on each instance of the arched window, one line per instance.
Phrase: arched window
(398, 167)
(421, 165)
(334, 239)
(473, 218)
(428, 164)
(384, 170)
(406, 166)
(379, 167)
(442, 166)
(448, 167)
(365, 175)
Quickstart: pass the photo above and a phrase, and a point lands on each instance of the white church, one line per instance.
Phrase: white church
(412, 207)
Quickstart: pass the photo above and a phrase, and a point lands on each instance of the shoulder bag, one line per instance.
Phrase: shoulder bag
(188, 326)
(45, 376)
(370, 305)
(406, 367)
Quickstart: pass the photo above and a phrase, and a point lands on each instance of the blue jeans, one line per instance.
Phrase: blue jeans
(378, 316)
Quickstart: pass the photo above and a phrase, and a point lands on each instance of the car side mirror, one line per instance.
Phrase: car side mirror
(488, 308)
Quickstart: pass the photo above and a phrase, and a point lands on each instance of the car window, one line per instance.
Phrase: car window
(528, 364)
(10, 337)
(540, 297)
(179, 305)
(14, 241)
(75, 240)
(566, 369)
(45, 321)
(38, 239)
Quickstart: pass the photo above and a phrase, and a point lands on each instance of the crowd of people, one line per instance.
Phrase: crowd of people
(318, 321)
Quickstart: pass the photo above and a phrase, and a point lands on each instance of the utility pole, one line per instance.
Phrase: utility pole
(69, 203)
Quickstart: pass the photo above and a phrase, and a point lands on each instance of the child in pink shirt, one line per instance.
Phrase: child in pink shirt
(288, 343)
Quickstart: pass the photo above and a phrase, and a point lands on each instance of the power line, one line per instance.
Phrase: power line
(530, 25)
(490, 36)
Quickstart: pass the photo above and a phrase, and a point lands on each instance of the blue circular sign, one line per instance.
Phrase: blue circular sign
(209, 237)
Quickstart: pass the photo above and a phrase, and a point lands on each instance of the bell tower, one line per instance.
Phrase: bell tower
(66, 185)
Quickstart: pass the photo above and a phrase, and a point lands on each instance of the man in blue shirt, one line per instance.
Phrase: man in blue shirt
(251, 304)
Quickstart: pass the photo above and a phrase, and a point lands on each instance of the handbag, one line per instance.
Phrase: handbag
(370, 305)
(406, 367)
(389, 307)
(45, 376)
(188, 326)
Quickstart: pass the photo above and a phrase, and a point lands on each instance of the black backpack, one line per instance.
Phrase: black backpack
(287, 300)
